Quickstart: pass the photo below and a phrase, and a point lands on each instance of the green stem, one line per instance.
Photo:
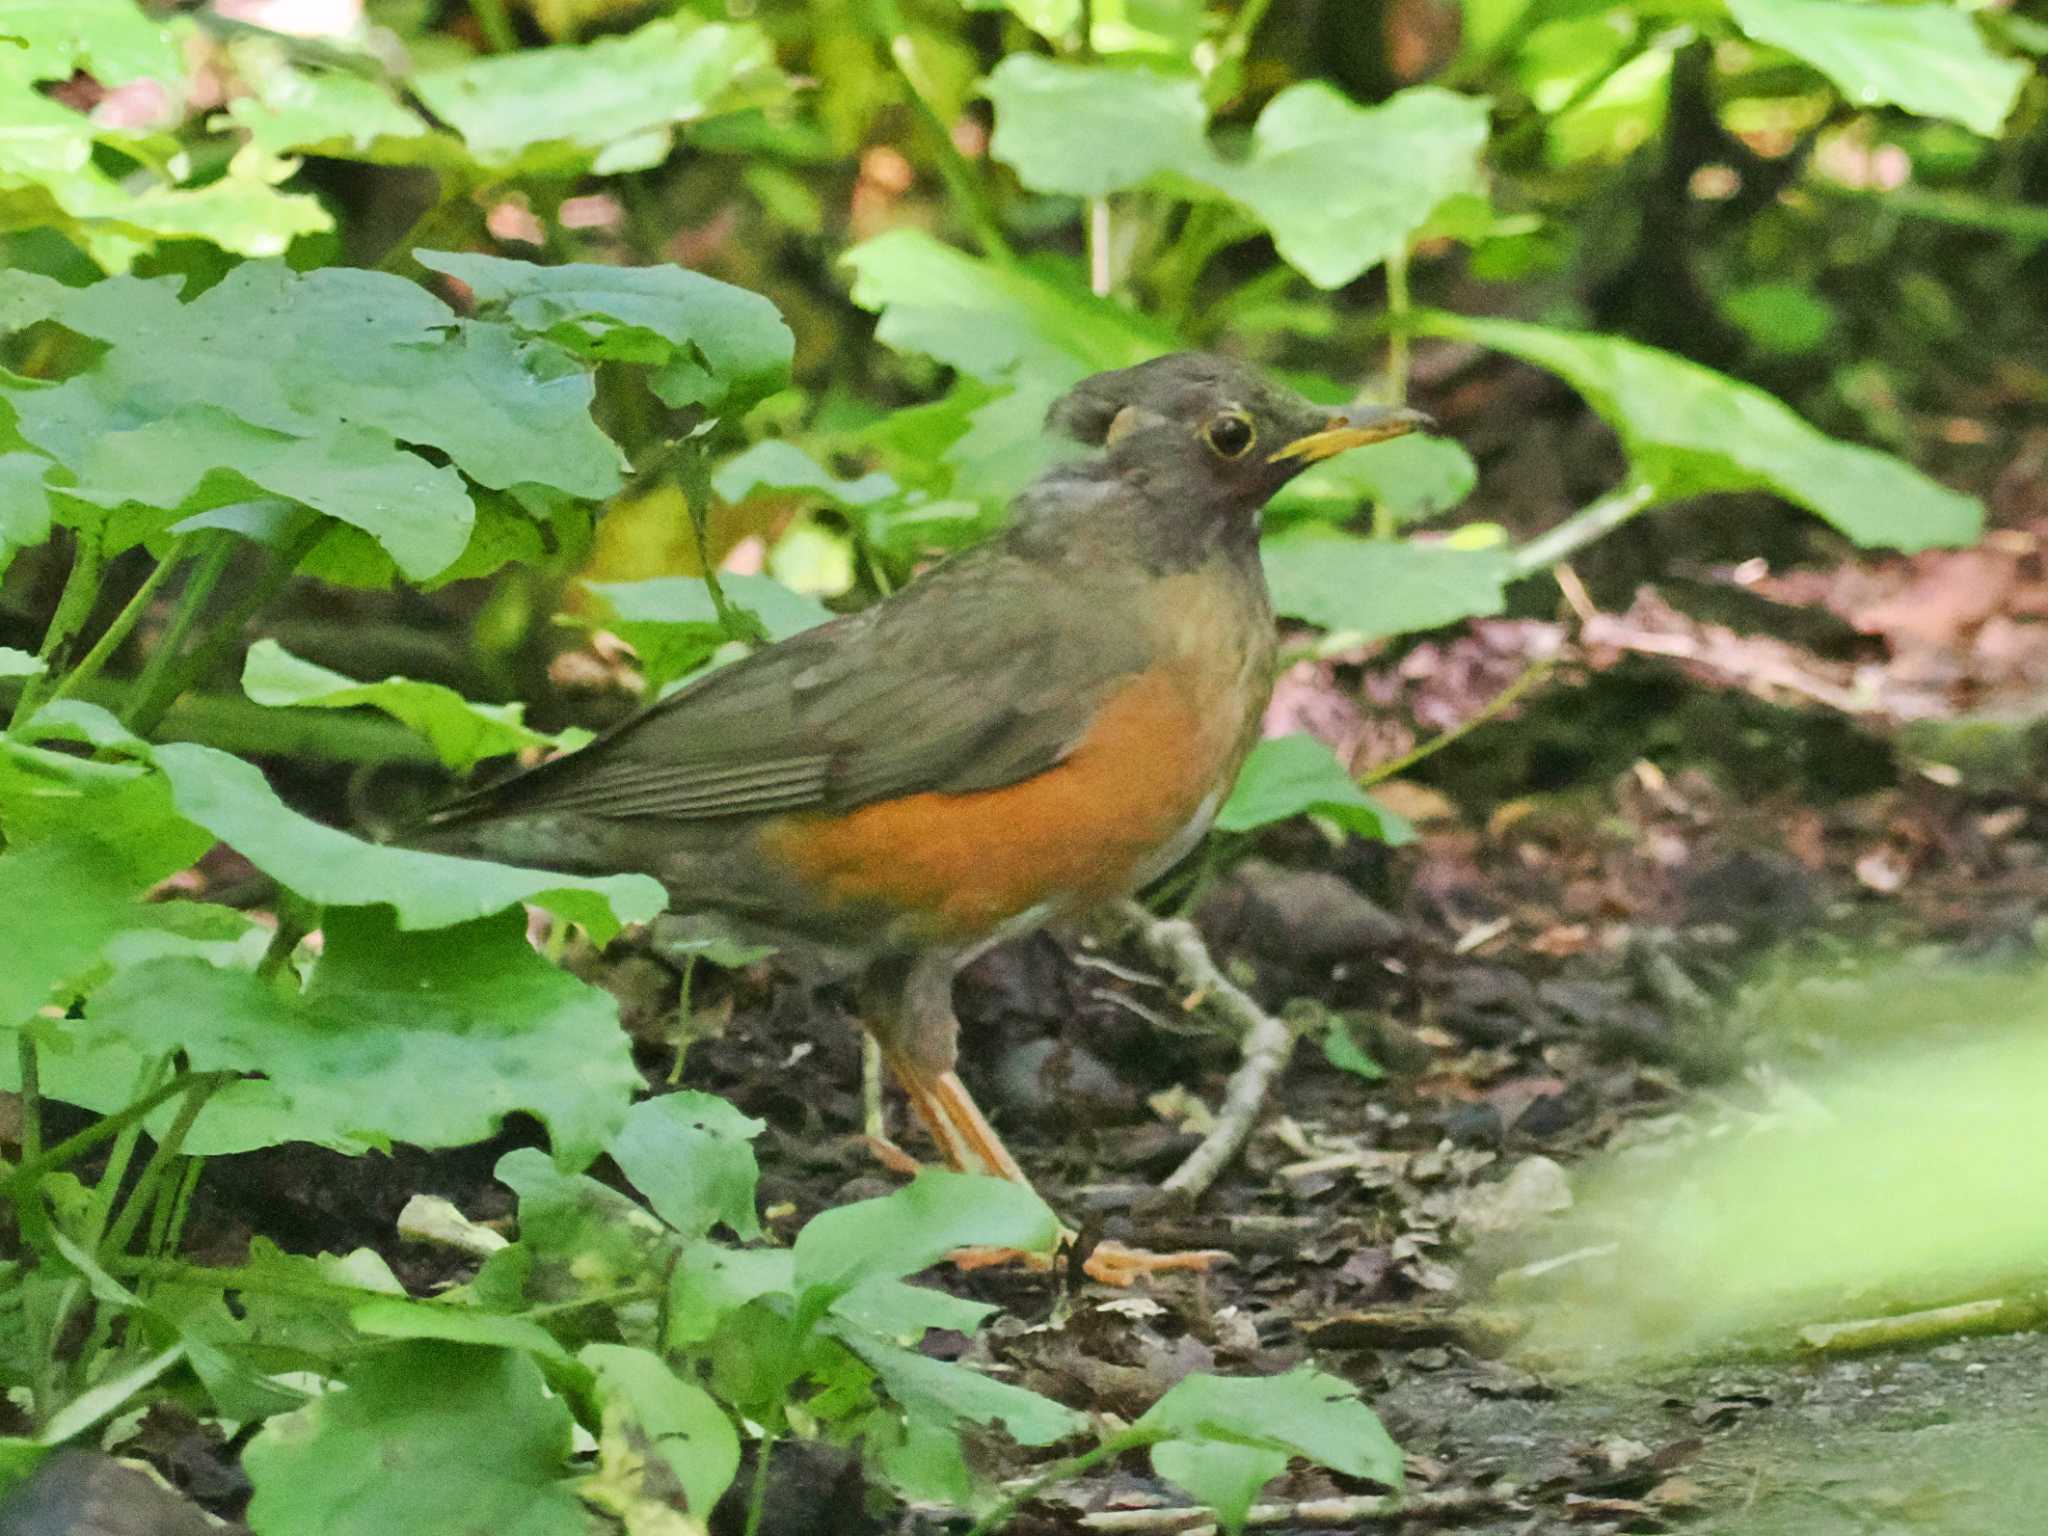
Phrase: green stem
(31, 1102)
(1059, 1472)
(124, 621)
(167, 1153)
(1398, 309)
(191, 603)
(1101, 277)
(109, 1184)
(32, 1168)
(225, 634)
(74, 607)
(495, 24)
(961, 181)
(1492, 708)
(693, 475)
(1231, 51)
(1591, 522)
(757, 1496)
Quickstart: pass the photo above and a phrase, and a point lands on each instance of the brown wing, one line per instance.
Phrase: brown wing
(985, 672)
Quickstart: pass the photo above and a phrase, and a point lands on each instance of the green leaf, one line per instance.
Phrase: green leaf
(1050, 19)
(951, 1394)
(1342, 187)
(1929, 59)
(691, 1155)
(112, 40)
(425, 1437)
(1233, 1435)
(342, 115)
(711, 343)
(396, 1317)
(672, 626)
(14, 663)
(775, 465)
(610, 106)
(61, 900)
(913, 1229)
(1375, 587)
(989, 320)
(1295, 775)
(461, 733)
(429, 1038)
(24, 503)
(577, 1237)
(1090, 129)
(669, 1417)
(1781, 319)
(1410, 479)
(1689, 431)
(1342, 1050)
(316, 388)
(230, 799)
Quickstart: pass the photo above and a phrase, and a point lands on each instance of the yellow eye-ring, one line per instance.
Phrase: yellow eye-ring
(1231, 434)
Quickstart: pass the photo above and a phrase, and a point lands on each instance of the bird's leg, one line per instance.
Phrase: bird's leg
(909, 1012)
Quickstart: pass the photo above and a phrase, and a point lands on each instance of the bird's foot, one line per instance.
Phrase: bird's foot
(891, 1156)
(1106, 1263)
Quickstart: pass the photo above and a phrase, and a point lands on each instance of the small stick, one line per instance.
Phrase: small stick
(1329, 1513)
(1265, 1042)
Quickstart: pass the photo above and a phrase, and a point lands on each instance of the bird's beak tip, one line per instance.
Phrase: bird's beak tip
(1356, 428)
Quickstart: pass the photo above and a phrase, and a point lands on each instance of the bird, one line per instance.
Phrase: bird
(1034, 726)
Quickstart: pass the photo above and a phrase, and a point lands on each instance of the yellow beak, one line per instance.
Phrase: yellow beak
(1354, 429)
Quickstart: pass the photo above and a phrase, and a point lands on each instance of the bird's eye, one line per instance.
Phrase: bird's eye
(1230, 434)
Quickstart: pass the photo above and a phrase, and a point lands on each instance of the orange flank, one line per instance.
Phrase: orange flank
(962, 864)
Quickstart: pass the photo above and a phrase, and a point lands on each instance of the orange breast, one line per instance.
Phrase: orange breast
(957, 866)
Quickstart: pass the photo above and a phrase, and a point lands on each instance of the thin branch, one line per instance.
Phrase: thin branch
(1060, 1472)
(74, 607)
(124, 621)
(1488, 711)
(961, 181)
(1265, 1042)
(1337, 1513)
(1591, 522)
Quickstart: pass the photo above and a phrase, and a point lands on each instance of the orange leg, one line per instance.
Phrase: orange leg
(970, 1144)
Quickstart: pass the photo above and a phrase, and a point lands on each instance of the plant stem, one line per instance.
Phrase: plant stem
(1493, 706)
(1100, 278)
(227, 632)
(198, 587)
(34, 1167)
(757, 1496)
(495, 24)
(1236, 43)
(693, 474)
(109, 1185)
(74, 607)
(1592, 521)
(160, 1161)
(1397, 322)
(961, 181)
(1115, 1446)
(124, 621)
(31, 1103)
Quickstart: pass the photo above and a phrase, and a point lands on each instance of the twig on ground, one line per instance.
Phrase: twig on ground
(1329, 1513)
(1265, 1041)
(1992, 1315)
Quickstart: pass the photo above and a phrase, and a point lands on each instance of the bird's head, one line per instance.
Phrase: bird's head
(1213, 436)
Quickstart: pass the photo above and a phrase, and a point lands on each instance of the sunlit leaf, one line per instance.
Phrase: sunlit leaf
(775, 465)
(1376, 587)
(1295, 775)
(1052, 19)
(428, 1436)
(366, 1054)
(111, 39)
(1689, 431)
(672, 624)
(230, 799)
(24, 503)
(1407, 479)
(1929, 59)
(60, 902)
(1091, 129)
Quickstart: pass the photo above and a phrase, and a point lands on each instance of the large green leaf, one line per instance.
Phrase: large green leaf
(428, 1436)
(462, 733)
(1294, 775)
(949, 1394)
(609, 106)
(61, 900)
(316, 388)
(691, 1155)
(230, 799)
(1233, 1435)
(1375, 587)
(1409, 479)
(709, 343)
(1929, 59)
(24, 503)
(429, 1038)
(1342, 187)
(677, 1420)
(110, 39)
(1689, 431)
(1091, 129)
(775, 465)
(914, 1228)
(989, 320)
(673, 626)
